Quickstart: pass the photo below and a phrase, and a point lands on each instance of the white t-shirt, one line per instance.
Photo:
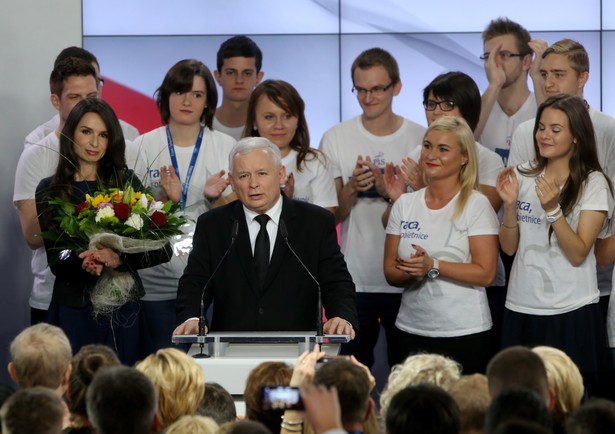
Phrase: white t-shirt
(362, 234)
(442, 307)
(40, 132)
(234, 132)
(542, 280)
(37, 162)
(145, 156)
(498, 132)
(522, 148)
(314, 183)
(489, 167)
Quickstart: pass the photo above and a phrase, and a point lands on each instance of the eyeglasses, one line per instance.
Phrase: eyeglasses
(504, 55)
(446, 106)
(376, 90)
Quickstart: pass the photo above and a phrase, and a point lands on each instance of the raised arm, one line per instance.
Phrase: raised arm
(508, 189)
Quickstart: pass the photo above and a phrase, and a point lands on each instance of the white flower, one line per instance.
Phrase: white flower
(134, 221)
(155, 206)
(103, 213)
(143, 201)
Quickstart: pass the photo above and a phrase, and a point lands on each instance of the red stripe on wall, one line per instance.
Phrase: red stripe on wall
(131, 106)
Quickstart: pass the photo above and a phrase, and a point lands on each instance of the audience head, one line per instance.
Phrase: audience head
(274, 103)
(193, 425)
(416, 369)
(239, 46)
(179, 381)
(33, 410)
(595, 417)
(565, 379)
(40, 356)
(217, 404)
(188, 77)
(246, 427)
(71, 81)
(575, 53)
(111, 399)
(86, 363)
(265, 374)
(520, 426)
(420, 409)
(353, 388)
(518, 367)
(471, 394)
(515, 404)
(457, 95)
(79, 53)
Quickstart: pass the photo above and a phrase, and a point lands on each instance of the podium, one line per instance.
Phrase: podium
(234, 354)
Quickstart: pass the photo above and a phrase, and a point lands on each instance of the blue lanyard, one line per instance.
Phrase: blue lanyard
(195, 154)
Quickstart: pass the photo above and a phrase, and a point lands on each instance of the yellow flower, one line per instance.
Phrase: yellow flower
(100, 199)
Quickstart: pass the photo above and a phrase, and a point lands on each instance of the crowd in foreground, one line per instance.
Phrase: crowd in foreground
(538, 390)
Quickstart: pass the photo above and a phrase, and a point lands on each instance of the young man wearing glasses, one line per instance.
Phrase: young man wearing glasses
(358, 151)
(507, 101)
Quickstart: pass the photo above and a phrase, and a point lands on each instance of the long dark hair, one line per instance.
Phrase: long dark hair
(584, 159)
(111, 170)
(285, 96)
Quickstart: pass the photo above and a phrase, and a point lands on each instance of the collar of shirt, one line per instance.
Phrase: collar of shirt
(274, 214)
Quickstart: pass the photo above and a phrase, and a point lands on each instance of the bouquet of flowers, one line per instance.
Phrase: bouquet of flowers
(126, 221)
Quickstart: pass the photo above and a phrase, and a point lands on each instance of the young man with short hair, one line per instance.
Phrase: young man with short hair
(71, 81)
(358, 150)
(40, 132)
(507, 101)
(239, 62)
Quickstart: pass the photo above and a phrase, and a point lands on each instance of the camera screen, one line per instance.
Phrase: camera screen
(281, 398)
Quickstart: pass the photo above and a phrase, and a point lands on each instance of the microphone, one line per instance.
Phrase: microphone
(319, 322)
(234, 233)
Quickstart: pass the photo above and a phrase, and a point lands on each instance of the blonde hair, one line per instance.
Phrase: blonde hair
(193, 425)
(41, 355)
(471, 393)
(419, 368)
(468, 175)
(179, 381)
(564, 378)
(574, 51)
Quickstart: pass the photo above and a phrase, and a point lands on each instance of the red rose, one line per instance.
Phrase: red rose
(122, 211)
(158, 220)
(81, 206)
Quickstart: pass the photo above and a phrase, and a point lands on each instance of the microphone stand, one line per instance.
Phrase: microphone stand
(202, 320)
(319, 322)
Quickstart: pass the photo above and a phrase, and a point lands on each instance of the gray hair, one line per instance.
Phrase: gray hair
(250, 144)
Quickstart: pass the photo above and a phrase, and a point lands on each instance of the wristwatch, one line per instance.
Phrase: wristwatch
(435, 270)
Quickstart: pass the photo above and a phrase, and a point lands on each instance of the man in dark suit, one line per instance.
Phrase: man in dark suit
(278, 295)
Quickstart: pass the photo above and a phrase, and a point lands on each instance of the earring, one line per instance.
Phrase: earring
(254, 128)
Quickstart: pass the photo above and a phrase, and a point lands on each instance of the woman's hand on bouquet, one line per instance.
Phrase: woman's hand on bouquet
(95, 260)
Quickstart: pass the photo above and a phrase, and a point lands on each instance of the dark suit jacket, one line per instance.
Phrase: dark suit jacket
(288, 300)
